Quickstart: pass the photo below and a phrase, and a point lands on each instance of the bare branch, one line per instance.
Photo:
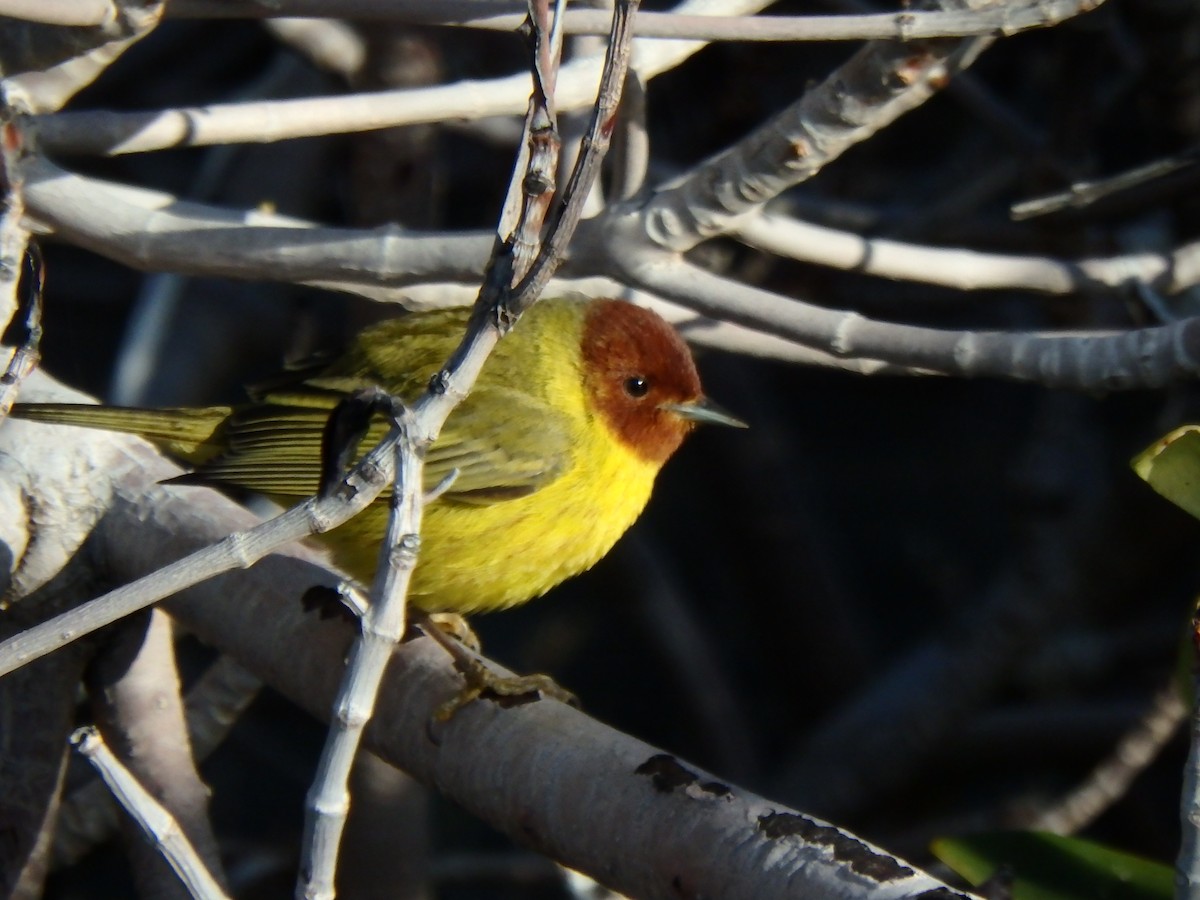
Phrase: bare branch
(88, 816)
(264, 122)
(546, 760)
(383, 627)
(158, 824)
(151, 230)
(910, 25)
(76, 13)
(965, 270)
(135, 693)
(1083, 194)
(44, 66)
(1110, 780)
(881, 82)
(1121, 360)
(330, 44)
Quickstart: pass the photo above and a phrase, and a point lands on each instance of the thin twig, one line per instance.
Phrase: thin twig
(158, 824)
(111, 133)
(1083, 194)
(587, 164)
(134, 689)
(88, 816)
(904, 26)
(382, 628)
(1110, 780)
(240, 550)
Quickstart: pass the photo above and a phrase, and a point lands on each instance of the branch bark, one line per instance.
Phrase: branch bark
(628, 814)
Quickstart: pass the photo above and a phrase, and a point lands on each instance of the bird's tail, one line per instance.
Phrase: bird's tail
(192, 434)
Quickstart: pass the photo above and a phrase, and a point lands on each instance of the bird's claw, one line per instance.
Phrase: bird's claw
(506, 690)
(456, 626)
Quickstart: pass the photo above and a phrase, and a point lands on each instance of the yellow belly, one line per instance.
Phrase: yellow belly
(482, 558)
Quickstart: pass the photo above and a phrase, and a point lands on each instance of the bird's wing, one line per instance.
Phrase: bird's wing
(501, 443)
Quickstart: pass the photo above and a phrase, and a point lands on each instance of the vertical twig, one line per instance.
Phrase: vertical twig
(158, 824)
(544, 142)
(382, 627)
(587, 166)
(497, 308)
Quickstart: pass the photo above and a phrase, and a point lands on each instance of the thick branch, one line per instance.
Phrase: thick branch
(542, 772)
(553, 779)
(150, 230)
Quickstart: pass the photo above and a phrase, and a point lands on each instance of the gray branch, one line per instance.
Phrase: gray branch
(1107, 360)
(877, 85)
(1008, 19)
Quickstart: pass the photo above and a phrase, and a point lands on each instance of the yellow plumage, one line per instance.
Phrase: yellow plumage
(556, 448)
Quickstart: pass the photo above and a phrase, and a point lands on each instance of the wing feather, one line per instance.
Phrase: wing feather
(502, 442)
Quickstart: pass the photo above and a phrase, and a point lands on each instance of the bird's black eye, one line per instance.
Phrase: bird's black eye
(637, 386)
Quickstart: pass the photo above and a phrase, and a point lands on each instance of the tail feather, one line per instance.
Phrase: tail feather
(189, 434)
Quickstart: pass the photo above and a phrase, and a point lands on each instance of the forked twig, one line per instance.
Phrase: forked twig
(497, 308)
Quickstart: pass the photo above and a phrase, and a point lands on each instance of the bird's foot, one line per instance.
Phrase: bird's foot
(507, 690)
(456, 627)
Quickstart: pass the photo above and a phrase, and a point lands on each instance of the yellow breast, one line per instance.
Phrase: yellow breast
(521, 547)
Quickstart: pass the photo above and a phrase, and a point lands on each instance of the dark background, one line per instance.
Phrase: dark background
(781, 572)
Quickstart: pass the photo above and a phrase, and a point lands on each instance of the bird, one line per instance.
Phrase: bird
(554, 452)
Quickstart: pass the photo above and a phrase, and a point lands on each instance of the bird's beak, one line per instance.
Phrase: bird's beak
(704, 410)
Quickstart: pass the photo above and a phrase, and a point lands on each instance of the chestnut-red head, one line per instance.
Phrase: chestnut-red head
(639, 374)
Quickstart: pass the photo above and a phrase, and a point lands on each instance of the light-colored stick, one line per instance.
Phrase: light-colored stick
(315, 515)
(215, 701)
(872, 89)
(157, 824)
(910, 25)
(111, 133)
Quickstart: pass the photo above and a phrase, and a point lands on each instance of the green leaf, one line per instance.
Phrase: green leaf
(1051, 867)
(1171, 465)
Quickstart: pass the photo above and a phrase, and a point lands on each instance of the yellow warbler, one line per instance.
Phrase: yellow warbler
(556, 448)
